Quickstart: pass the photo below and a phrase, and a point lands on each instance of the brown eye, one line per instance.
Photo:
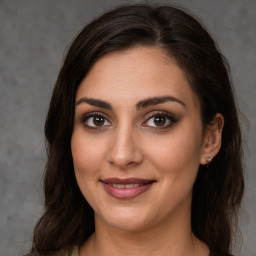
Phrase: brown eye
(159, 120)
(95, 121)
(98, 120)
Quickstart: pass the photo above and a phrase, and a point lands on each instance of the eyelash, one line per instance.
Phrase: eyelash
(168, 118)
(85, 118)
(166, 115)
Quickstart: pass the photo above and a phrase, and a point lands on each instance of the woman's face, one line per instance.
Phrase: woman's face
(137, 139)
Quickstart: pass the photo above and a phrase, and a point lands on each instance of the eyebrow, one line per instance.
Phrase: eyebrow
(94, 102)
(140, 105)
(157, 100)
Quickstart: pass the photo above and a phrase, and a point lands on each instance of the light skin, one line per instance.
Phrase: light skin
(136, 116)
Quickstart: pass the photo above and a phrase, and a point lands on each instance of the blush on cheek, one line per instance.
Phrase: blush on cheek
(82, 151)
(86, 156)
(178, 155)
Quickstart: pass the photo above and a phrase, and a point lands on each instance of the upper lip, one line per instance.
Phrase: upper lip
(126, 181)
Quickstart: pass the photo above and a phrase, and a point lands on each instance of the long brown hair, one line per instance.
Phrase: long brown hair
(68, 219)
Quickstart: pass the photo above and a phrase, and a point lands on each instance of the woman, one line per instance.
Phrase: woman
(144, 153)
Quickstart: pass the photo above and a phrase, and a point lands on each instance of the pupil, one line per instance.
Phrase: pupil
(98, 120)
(159, 120)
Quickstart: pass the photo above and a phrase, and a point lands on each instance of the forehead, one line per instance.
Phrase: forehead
(136, 73)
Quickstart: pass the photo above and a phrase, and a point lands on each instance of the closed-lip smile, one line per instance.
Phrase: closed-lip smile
(126, 188)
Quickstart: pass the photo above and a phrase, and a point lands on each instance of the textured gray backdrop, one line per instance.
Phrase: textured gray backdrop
(33, 36)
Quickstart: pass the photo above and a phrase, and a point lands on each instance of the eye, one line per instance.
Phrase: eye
(95, 121)
(160, 121)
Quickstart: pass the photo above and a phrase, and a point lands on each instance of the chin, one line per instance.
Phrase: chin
(127, 220)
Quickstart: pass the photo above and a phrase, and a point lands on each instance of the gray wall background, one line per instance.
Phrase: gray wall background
(33, 36)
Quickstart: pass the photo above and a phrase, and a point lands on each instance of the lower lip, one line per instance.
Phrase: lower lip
(126, 193)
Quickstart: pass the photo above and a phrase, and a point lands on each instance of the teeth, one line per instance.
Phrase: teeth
(125, 185)
(129, 186)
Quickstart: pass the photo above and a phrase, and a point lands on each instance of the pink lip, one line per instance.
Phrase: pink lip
(126, 193)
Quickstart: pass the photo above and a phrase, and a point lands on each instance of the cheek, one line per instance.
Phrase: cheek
(177, 161)
(178, 152)
(87, 155)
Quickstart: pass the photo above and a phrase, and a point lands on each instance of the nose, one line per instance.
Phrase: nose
(124, 149)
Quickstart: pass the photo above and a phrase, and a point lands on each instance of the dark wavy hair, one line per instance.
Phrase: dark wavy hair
(68, 218)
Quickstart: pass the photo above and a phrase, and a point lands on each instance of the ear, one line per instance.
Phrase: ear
(212, 139)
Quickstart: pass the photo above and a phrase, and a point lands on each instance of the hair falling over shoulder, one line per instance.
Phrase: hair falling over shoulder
(68, 219)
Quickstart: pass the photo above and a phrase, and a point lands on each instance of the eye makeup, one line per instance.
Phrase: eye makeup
(157, 120)
(95, 120)
(160, 120)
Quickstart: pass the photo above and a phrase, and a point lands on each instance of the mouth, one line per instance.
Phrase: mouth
(126, 188)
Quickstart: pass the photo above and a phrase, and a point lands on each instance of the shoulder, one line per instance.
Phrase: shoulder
(70, 252)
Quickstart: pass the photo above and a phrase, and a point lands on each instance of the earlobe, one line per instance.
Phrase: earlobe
(212, 139)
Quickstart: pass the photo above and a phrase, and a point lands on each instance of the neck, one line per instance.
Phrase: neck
(169, 238)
